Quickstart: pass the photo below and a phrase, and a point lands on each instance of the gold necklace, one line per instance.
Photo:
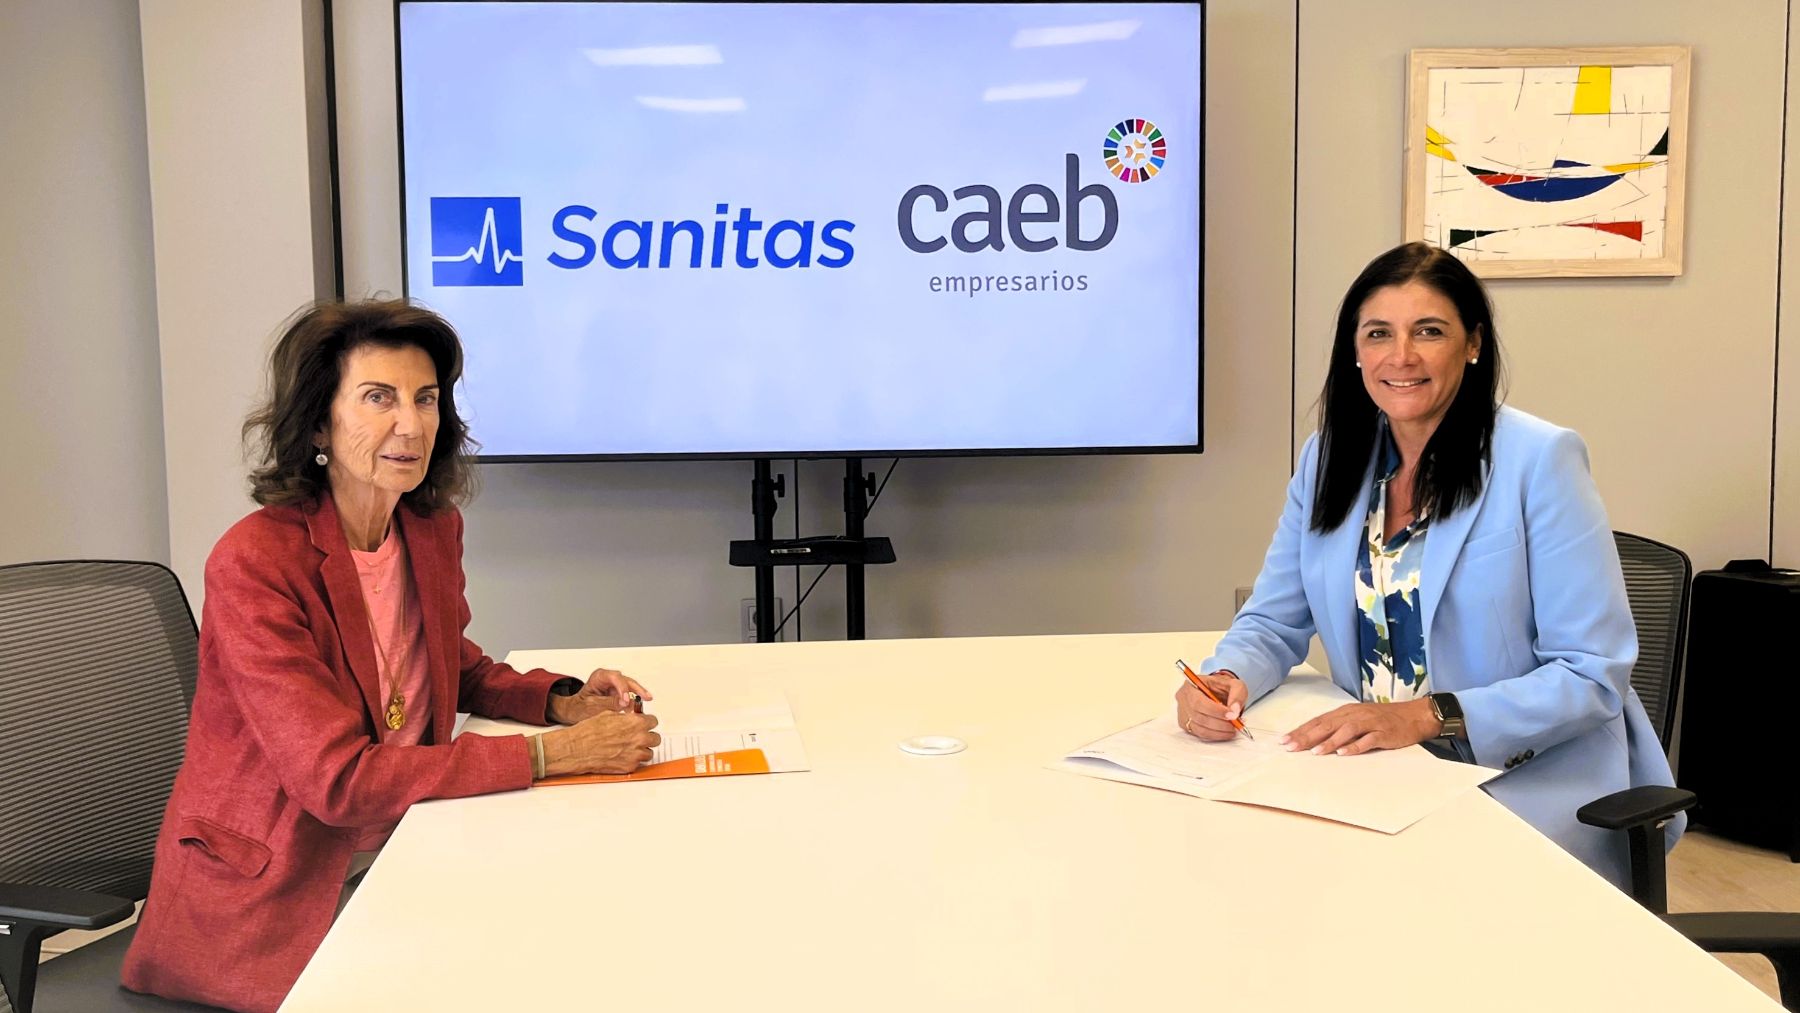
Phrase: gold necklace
(396, 708)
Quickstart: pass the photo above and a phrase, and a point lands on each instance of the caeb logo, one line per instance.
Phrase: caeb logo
(476, 241)
(991, 220)
(1134, 150)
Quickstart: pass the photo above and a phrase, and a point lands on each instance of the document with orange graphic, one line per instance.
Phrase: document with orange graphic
(736, 761)
(697, 742)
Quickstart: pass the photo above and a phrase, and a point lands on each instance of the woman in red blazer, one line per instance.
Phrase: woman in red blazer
(323, 710)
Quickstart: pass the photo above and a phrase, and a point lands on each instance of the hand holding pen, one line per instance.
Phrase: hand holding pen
(1210, 707)
(608, 691)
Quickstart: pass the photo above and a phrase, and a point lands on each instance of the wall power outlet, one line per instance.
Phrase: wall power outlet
(747, 619)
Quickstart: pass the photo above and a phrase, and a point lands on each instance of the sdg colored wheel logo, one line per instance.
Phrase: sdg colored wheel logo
(1134, 150)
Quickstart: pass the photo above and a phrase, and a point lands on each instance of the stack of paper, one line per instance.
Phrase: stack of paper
(1385, 790)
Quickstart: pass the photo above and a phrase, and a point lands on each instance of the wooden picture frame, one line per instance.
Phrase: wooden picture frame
(1549, 163)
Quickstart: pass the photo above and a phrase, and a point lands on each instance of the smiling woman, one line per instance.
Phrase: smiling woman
(333, 663)
(1454, 558)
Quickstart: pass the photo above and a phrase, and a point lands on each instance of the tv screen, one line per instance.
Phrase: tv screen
(742, 230)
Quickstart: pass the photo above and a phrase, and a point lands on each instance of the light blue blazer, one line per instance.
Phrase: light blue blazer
(1526, 621)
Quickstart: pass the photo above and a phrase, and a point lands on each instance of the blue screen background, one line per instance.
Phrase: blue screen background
(812, 112)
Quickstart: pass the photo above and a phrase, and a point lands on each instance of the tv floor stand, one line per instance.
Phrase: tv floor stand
(853, 549)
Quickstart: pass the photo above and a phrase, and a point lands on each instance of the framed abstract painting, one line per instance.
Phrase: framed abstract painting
(1549, 163)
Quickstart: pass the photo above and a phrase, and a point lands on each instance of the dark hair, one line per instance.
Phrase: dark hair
(1449, 474)
(304, 372)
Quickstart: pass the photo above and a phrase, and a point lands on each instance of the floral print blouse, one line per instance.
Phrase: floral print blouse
(1390, 616)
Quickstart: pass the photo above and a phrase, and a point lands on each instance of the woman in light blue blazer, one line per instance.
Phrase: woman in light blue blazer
(1455, 560)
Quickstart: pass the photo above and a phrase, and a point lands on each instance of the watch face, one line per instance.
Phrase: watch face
(1449, 714)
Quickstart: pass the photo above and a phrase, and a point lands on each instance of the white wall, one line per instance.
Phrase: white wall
(1667, 379)
(234, 198)
(81, 450)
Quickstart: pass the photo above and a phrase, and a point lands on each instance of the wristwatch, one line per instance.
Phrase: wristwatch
(1450, 714)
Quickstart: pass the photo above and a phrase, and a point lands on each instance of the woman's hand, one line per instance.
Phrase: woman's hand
(607, 692)
(608, 743)
(1359, 727)
(1204, 719)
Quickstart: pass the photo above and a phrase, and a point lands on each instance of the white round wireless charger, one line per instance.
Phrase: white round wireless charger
(933, 745)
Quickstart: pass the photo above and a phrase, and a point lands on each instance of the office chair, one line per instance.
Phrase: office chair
(1657, 581)
(97, 667)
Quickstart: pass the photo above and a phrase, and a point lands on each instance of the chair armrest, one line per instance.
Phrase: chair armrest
(1740, 931)
(1773, 934)
(1632, 807)
(61, 908)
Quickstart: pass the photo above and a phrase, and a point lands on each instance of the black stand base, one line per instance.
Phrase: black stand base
(851, 549)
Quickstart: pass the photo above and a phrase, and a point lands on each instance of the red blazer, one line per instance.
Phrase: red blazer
(283, 764)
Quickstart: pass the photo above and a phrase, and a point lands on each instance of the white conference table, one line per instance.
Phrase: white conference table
(880, 880)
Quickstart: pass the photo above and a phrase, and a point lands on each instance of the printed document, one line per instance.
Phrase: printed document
(1386, 790)
(756, 736)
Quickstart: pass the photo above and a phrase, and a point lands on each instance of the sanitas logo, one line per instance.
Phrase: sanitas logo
(624, 244)
(476, 241)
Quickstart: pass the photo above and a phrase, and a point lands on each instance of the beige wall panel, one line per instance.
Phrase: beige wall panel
(81, 458)
(233, 198)
(1785, 533)
(1667, 379)
(368, 146)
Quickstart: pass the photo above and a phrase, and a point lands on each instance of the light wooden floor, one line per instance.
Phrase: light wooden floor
(1708, 873)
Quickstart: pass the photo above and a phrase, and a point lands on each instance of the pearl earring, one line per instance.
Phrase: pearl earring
(321, 458)
(1473, 361)
(1359, 365)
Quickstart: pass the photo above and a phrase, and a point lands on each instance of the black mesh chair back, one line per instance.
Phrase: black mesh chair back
(1657, 582)
(97, 668)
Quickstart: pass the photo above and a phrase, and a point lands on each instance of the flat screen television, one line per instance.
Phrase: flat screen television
(760, 230)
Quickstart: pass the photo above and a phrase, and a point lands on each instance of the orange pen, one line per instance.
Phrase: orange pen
(1210, 695)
